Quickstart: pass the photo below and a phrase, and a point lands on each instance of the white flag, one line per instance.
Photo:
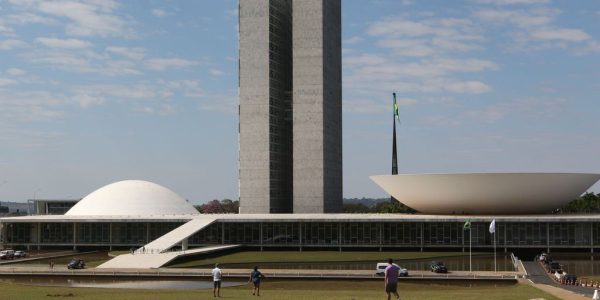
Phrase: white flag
(493, 226)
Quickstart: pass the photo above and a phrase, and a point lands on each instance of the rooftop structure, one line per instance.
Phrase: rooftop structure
(132, 198)
(290, 106)
(486, 193)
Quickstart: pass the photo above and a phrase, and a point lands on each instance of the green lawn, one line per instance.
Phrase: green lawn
(309, 256)
(91, 259)
(289, 290)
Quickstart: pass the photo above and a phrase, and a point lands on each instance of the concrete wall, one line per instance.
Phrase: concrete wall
(265, 106)
(317, 106)
(254, 106)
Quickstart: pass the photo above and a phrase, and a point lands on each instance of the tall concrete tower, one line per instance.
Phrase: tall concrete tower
(290, 106)
(317, 101)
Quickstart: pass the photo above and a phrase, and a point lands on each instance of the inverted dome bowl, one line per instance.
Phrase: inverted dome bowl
(486, 193)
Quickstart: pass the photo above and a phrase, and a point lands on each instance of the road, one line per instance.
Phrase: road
(538, 275)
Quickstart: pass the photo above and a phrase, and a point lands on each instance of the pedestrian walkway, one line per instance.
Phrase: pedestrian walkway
(156, 260)
(176, 235)
(540, 279)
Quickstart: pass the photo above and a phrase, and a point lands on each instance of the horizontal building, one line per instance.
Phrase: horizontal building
(138, 213)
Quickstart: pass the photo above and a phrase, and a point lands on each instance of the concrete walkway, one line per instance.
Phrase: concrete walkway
(177, 235)
(156, 260)
(540, 279)
(243, 273)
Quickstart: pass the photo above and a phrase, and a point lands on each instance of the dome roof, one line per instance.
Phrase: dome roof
(486, 193)
(132, 198)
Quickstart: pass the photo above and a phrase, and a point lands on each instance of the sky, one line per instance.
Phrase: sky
(93, 92)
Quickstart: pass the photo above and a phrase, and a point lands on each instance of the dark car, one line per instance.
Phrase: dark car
(545, 258)
(76, 264)
(554, 267)
(438, 267)
(20, 254)
(570, 278)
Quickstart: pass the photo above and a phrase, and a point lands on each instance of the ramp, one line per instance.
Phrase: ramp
(156, 260)
(176, 235)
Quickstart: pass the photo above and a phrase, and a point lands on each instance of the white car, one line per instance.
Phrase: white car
(380, 269)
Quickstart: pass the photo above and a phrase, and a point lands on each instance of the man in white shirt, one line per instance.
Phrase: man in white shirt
(216, 273)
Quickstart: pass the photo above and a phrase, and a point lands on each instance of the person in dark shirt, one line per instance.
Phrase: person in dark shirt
(255, 277)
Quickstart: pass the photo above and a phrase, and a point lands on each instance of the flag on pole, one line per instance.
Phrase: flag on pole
(396, 114)
(493, 226)
(467, 225)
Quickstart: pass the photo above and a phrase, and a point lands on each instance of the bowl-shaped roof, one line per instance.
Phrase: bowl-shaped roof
(486, 193)
(132, 198)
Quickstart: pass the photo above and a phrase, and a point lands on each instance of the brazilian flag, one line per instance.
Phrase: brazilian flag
(396, 114)
(467, 225)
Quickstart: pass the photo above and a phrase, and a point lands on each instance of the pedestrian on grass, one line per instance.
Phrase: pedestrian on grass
(217, 276)
(255, 277)
(391, 279)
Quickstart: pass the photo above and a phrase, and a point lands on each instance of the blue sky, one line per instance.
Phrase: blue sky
(94, 92)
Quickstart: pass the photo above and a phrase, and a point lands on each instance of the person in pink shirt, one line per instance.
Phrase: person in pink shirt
(391, 279)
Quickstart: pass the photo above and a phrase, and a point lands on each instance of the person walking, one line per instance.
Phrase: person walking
(255, 277)
(391, 279)
(217, 276)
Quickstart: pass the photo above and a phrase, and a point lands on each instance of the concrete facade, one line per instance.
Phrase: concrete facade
(265, 106)
(290, 106)
(317, 104)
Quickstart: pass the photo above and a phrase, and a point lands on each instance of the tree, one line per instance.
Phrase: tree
(225, 206)
(213, 207)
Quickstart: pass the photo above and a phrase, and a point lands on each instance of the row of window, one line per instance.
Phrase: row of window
(316, 233)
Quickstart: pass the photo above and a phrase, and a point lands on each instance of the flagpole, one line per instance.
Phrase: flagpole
(470, 253)
(495, 263)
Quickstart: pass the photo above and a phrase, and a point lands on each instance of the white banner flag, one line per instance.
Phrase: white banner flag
(493, 226)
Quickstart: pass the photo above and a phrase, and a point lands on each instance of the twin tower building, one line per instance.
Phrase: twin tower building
(290, 85)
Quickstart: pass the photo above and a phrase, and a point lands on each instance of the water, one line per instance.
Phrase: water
(579, 264)
(117, 283)
(459, 263)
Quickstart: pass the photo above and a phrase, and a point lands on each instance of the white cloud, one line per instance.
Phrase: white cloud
(353, 40)
(535, 29)
(216, 72)
(426, 37)
(565, 34)
(31, 106)
(513, 2)
(86, 101)
(157, 12)
(468, 87)
(532, 107)
(5, 30)
(63, 43)
(136, 53)
(11, 44)
(363, 59)
(15, 72)
(6, 81)
(374, 107)
(90, 18)
(162, 64)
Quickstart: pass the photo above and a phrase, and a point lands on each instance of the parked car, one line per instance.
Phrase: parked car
(438, 267)
(554, 267)
(380, 269)
(20, 254)
(7, 254)
(545, 258)
(76, 264)
(570, 277)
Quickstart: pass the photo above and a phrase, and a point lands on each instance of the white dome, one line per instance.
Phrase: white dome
(132, 198)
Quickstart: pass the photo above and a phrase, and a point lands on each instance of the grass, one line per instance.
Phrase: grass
(289, 290)
(91, 259)
(308, 256)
